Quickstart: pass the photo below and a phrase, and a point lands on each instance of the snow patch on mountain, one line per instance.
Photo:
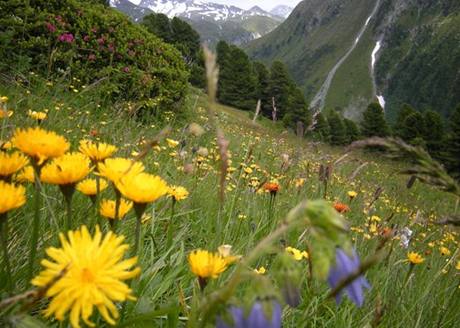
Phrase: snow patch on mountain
(193, 9)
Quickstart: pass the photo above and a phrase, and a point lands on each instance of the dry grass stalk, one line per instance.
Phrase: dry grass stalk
(377, 193)
(425, 169)
(356, 172)
(212, 76)
(32, 296)
(258, 107)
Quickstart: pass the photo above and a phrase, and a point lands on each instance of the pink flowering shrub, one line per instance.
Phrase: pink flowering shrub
(94, 44)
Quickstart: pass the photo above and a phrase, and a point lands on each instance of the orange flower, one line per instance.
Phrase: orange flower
(272, 187)
(341, 207)
(386, 232)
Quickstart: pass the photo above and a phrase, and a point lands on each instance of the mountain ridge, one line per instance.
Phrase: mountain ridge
(282, 10)
(212, 21)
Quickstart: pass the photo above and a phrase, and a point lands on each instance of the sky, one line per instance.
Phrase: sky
(264, 4)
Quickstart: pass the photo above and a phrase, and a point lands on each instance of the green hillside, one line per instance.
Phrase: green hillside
(316, 35)
(352, 86)
(421, 60)
(260, 25)
(420, 45)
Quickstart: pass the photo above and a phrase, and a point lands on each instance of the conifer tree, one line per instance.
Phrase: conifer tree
(280, 87)
(374, 123)
(262, 91)
(412, 129)
(352, 130)
(225, 74)
(159, 25)
(433, 133)
(237, 81)
(297, 110)
(198, 72)
(452, 155)
(403, 113)
(338, 135)
(186, 39)
(180, 34)
(321, 131)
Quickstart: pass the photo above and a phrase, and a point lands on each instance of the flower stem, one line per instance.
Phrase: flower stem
(68, 191)
(113, 223)
(406, 280)
(6, 258)
(69, 213)
(139, 208)
(97, 198)
(36, 220)
(170, 226)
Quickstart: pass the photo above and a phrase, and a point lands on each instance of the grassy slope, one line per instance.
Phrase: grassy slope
(352, 84)
(426, 299)
(311, 51)
(260, 24)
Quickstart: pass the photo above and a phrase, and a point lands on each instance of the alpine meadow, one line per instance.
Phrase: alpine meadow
(190, 163)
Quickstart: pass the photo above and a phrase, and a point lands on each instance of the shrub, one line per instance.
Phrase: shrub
(88, 43)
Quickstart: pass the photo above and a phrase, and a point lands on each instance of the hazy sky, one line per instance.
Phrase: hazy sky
(265, 4)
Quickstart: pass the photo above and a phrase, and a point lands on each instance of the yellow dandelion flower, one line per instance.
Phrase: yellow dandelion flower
(352, 194)
(94, 276)
(88, 187)
(375, 218)
(248, 170)
(260, 270)
(97, 151)
(40, 144)
(172, 143)
(444, 251)
(6, 113)
(178, 193)
(107, 209)
(114, 168)
(373, 228)
(299, 182)
(297, 254)
(25, 175)
(458, 265)
(415, 258)
(12, 197)
(3, 99)
(205, 264)
(142, 187)
(39, 116)
(66, 170)
(11, 163)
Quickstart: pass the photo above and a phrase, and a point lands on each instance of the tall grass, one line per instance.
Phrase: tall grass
(166, 290)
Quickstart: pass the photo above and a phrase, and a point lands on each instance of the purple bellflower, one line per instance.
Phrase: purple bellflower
(256, 319)
(344, 267)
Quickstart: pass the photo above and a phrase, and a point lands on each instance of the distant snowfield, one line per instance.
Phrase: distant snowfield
(187, 8)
